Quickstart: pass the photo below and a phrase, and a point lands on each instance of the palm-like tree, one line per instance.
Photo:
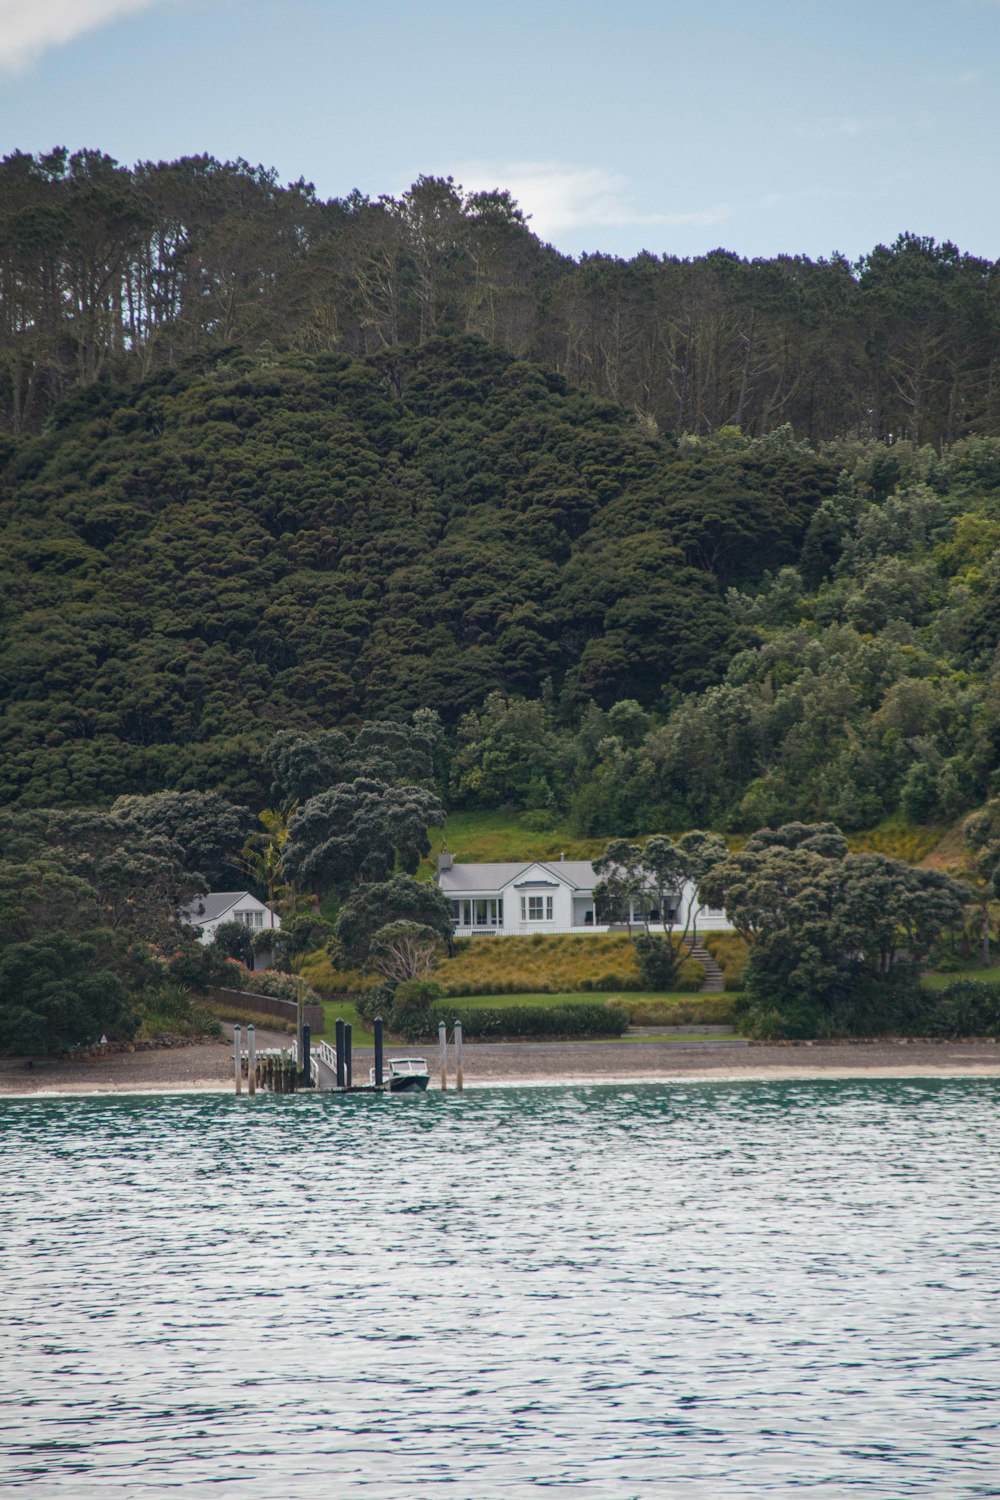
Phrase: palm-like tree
(263, 857)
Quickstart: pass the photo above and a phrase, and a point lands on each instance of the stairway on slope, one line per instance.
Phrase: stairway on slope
(714, 982)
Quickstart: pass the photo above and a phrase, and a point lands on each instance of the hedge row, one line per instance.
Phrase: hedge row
(511, 1023)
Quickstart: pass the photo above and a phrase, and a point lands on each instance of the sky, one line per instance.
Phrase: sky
(763, 126)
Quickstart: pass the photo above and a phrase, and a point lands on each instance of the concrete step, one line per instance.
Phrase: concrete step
(714, 982)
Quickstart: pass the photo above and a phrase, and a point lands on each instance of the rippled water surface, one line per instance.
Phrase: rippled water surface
(691, 1290)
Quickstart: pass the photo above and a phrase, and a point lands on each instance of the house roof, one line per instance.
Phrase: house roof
(215, 905)
(460, 879)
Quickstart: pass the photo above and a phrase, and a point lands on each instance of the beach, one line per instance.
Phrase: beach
(208, 1066)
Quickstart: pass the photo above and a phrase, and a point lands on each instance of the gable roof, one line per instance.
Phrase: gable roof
(462, 878)
(215, 904)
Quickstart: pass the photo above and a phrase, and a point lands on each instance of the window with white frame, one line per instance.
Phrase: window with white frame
(483, 911)
(536, 908)
(249, 918)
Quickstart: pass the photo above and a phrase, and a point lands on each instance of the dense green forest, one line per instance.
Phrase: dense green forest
(349, 514)
(115, 272)
(647, 632)
(273, 463)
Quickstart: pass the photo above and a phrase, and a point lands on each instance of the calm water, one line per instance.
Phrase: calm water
(701, 1290)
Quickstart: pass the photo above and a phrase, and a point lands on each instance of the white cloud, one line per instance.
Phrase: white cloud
(561, 197)
(30, 27)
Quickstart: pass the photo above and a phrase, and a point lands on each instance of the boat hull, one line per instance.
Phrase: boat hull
(414, 1084)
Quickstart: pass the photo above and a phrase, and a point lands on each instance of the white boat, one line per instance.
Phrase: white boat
(403, 1075)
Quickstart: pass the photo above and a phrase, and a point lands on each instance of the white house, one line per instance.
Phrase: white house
(550, 896)
(207, 912)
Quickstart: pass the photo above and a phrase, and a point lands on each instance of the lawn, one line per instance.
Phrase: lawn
(491, 837)
(590, 997)
(645, 1008)
(936, 980)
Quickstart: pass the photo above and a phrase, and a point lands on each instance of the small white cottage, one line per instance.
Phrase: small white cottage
(552, 896)
(207, 912)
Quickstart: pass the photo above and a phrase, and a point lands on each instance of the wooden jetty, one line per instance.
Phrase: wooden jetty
(278, 1070)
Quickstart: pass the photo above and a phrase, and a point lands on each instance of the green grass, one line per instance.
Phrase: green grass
(572, 997)
(491, 837)
(898, 838)
(938, 980)
(334, 1010)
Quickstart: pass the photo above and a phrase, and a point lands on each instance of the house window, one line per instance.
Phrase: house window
(249, 918)
(484, 911)
(536, 908)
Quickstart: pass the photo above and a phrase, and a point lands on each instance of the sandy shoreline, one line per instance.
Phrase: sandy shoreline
(208, 1069)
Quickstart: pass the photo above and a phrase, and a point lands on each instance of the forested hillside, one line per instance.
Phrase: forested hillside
(115, 272)
(641, 631)
(274, 463)
(195, 562)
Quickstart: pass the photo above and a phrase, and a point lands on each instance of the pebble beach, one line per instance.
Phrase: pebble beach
(209, 1065)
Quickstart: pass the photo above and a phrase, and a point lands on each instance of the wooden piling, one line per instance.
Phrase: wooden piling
(443, 1051)
(299, 1020)
(458, 1057)
(340, 1052)
(251, 1061)
(377, 1029)
(238, 1057)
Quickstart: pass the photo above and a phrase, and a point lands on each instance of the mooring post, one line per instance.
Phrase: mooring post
(458, 1056)
(238, 1056)
(443, 1050)
(377, 1029)
(348, 1061)
(251, 1061)
(340, 1053)
(305, 1061)
(299, 1018)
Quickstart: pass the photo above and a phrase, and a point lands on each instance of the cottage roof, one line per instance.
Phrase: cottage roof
(211, 907)
(461, 879)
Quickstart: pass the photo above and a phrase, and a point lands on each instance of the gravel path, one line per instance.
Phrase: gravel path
(209, 1065)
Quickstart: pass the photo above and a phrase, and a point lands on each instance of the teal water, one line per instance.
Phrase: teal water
(691, 1290)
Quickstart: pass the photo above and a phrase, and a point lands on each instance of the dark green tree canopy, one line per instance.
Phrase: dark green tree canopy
(825, 927)
(55, 994)
(208, 830)
(370, 908)
(357, 831)
(380, 750)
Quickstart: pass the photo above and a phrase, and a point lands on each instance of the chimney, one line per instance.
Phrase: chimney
(562, 856)
(444, 861)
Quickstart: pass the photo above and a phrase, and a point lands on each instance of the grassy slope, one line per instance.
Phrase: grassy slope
(488, 837)
(542, 970)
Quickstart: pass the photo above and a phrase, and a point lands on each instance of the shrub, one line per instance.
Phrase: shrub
(969, 1007)
(517, 1022)
(658, 961)
(411, 1005)
(198, 965)
(266, 982)
(234, 940)
(171, 1008)
(375, 1002)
